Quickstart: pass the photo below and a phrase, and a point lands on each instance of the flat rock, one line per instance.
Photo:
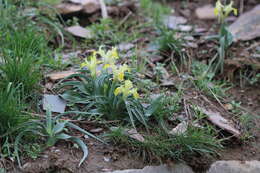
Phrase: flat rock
(67, 8)
(53, 103)
(178, 168)
(79, 31)
(91, 6)
(247, 26)
(206, 12)
(125, 46)
(72, 6)
(234, 166)
(60, 75)
(184, 28)
(173, 22)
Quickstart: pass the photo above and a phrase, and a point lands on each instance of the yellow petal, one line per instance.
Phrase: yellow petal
(235, 11)
(121, 76)
(135, 93)
(106, 66)
(117, 91)
(216, 12)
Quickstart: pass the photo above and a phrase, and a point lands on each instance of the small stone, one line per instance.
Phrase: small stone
(206, 12)
(80, 32)
(172, 22)
(189, 38)
(234, 166)
(97, 130)
(125, 46)
(228, 106)
(107, 159)
(191, 45)
(185, 28)
(200, 30)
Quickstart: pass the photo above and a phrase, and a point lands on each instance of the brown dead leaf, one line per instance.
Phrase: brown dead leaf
(218, 120)
(179, 129)
(135, 135)
(59, 75)
(79, 31)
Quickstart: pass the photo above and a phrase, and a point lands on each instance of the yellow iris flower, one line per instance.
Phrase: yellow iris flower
(91, 64)
(119, 72)
(127, 90)
(222, 11)
(108, 57)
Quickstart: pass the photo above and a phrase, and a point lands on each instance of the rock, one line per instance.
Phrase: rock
(218, 120)
(90, 6)
(72, 6)
(66, 8)
(185, 28)
(97, 130)
(60, 75)
(53, 103)
(172, 22)
(206, 12)
(234, 166)
(178, 168)
(125, 46)
(247, 26)
(79, 32)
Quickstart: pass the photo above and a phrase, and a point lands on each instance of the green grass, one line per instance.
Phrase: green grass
(204, 81)
(10, 109)
(154, 10)
(111, 32)
(160, 145)
(22, 51)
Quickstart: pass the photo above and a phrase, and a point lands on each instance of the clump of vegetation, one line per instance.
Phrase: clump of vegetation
(52, 129)
(10, 109)
(22, 53)
(204, 81)
(224, 37)
(163, 145)
(106, 89)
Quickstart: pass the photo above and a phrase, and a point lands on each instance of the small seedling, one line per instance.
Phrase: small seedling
(53, 130)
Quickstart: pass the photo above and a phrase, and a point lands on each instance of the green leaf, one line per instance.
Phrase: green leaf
(71, 125)
(49, 122)
(63, 136)
(75, 97)
(59, 127)
(82, 146)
